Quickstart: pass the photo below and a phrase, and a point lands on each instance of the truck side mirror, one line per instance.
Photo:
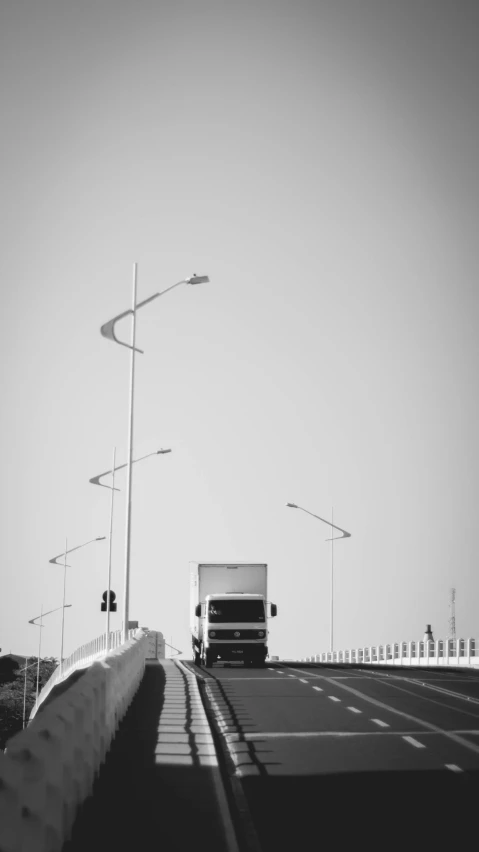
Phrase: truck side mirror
(198, 610)
(274, 610)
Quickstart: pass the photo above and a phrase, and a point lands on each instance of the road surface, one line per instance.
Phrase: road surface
(312, 757)
(339, 756)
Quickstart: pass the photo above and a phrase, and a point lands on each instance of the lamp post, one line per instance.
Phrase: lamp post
(344, 534)
(65, 566)
(32, 621)
(31, 666)
(95, 480)
(108, 331)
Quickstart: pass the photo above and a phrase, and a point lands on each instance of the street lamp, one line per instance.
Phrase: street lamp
(108, 331)
(32, 621)
(65, 566)
(25, 686)
(344, 534)
(95, 480)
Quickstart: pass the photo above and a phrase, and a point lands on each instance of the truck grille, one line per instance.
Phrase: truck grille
(239, 634)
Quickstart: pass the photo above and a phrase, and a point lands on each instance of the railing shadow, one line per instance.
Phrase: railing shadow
(156, 785)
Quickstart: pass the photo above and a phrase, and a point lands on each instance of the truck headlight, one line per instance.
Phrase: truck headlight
(212, 634)
(260, 634)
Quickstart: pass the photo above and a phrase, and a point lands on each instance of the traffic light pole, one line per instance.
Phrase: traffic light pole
(108, 600)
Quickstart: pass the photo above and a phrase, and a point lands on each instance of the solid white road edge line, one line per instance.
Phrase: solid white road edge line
(223, 807)
(278, 735)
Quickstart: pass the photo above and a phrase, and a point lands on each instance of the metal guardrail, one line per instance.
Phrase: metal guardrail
(442, 652)
(80, 659)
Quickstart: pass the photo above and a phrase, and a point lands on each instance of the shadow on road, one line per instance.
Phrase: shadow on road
(376, 810)
(155, 789)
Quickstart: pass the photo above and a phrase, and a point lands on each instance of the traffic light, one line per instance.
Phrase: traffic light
(112, 606)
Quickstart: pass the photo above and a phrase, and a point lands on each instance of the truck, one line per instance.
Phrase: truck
(229, 612)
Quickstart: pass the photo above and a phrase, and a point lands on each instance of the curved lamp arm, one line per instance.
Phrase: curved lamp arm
(33, 620)
(344, 534)
(108, 328)
(54, 560)
(95, 480)
(173, 649)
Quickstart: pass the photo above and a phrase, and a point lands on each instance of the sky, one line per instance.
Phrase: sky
(318, 160)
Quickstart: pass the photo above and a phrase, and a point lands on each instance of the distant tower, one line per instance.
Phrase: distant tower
(452, 618)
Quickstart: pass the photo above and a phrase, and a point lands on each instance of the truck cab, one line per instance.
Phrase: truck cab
(233, 629)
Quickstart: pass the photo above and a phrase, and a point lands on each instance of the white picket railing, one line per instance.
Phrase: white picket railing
(81, 658)
(442, 652)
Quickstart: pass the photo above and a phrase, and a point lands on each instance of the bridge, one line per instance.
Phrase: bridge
(372, 746)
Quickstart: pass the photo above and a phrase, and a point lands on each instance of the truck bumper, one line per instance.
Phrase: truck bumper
(250, 651)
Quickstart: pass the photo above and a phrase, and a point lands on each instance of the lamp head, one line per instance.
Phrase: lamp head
(101, 538)
(292, 505)
(159, 452)
(197, 279)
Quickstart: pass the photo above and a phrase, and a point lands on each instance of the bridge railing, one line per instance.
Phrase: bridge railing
(81, 658)
(441, 652)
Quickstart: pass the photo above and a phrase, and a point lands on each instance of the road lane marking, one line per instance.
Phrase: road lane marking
(467, 731)
(257, 736)
(446, 692)
(303, 680)
(295, 676)
(453, 767)
(353, 709)
(241, 679)
(333, 698)
(317, 688)
(414, 742)
(209, 759)
(380, 723)
(428, 725)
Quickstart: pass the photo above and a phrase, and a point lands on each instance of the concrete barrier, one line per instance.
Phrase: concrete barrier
(49, 769)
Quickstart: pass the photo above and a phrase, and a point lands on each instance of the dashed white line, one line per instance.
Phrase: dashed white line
(380, 723)
(414, 742)
(333, 698)
(317, 688)
(302, 679)
(353, 709)
(453, 767)
(428, 726)
(293, 676)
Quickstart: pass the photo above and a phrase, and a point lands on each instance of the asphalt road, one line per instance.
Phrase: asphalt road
(160, 786)
(342, 756)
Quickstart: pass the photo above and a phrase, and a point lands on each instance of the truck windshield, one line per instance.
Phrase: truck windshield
(228, 611)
